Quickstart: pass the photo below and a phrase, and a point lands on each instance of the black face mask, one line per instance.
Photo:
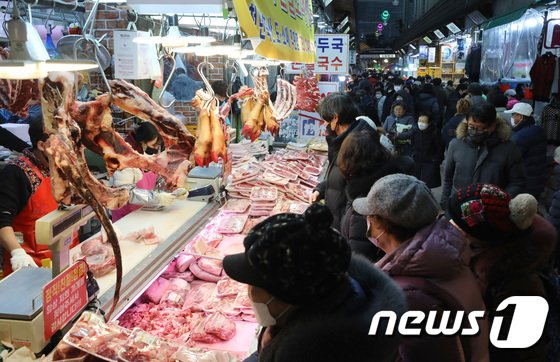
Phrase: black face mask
(478, 137)
(151, 151)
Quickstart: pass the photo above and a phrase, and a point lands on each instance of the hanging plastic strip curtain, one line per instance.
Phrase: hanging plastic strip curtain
(509, 50)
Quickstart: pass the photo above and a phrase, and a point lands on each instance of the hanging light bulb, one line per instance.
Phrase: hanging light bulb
(28, 57)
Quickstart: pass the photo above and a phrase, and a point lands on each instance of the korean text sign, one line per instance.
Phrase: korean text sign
(283, 28)
(333, 56)
(64, 297)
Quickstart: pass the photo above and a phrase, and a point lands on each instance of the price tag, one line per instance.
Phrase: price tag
(64, 297)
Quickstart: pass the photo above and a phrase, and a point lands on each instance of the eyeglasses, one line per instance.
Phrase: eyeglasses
(478, 129)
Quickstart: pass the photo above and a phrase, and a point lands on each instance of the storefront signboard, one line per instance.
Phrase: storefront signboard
(64, 297)
(431, 55)
(310, 126)
(283, 29)
(333, 56)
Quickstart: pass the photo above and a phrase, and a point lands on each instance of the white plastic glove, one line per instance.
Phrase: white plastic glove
(128, 176)
(20, 259)
(180, 193)
(166, 199)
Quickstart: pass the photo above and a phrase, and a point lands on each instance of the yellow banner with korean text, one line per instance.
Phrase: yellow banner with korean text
(283, 29)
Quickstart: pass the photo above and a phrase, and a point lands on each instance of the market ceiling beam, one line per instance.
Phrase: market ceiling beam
(446, 10)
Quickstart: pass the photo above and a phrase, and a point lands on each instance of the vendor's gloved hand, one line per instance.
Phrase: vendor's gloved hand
(127, 176)
(166, 199)
(20, 259)
(180, 193)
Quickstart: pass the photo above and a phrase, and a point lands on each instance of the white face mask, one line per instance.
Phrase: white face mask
(397, 88)
(378, 95)
(373, 240)
(422, 126)
(512, 122)
(262, 313)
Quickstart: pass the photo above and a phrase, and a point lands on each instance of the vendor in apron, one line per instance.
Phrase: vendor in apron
(25, 196)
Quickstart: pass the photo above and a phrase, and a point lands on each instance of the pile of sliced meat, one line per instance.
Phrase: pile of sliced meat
(283, 182)
(307, 90)
(93, 339)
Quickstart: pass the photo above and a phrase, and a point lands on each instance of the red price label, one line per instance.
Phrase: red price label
(64, 297)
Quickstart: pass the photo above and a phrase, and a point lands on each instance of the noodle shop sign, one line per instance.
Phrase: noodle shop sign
(64, 297)
(333, 56)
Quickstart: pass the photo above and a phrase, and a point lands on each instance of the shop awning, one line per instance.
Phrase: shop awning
(505, 19)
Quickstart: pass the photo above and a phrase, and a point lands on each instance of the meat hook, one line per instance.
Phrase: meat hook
(169, 77)
(207, 65)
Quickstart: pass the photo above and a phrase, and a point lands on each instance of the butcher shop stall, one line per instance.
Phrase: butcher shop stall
(169, 130)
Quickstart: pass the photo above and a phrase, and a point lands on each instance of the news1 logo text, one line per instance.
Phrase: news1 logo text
(525, 329)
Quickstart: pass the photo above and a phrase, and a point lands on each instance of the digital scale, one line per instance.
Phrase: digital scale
(200, 178)
(21, 293)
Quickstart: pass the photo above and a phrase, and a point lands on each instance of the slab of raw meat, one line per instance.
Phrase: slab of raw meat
(264, 193)
(143, 347)
(158, 288)
(203, 275)
(186, 354)
(212, 266)
(225, 305)
(91, 334)
(236, 206)
(232, 224)
(198, 296)
(145, 236)
(228, 286)
(175, 294)
(99, 256)
(251, 223)
(183, 262)
(213, 328)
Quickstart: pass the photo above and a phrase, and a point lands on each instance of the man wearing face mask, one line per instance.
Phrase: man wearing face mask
(339, 112)
(531, 141)
(314, 299)
(483, 152)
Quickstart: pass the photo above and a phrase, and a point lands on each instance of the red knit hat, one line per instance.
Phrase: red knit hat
(484, 211)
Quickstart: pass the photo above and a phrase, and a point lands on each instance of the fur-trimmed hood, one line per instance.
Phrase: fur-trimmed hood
(502, 132)
(341, 334)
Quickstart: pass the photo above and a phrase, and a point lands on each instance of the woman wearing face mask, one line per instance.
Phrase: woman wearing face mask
(362, 161)
(144, 139)
(483, 153)
(399, 127)
(339, 113)
(313, 298)
(429, 259)
(531, 141)
(427, 152)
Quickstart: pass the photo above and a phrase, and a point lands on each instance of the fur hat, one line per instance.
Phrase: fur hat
(489, 213)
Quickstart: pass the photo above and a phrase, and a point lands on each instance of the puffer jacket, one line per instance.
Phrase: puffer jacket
(337, 328)
(512, 269)
(332, 188)
(437, 259)
(353, 226)
(497, 161)
(531, 141)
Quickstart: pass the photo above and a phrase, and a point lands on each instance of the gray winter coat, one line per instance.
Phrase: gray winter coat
(498, 161)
